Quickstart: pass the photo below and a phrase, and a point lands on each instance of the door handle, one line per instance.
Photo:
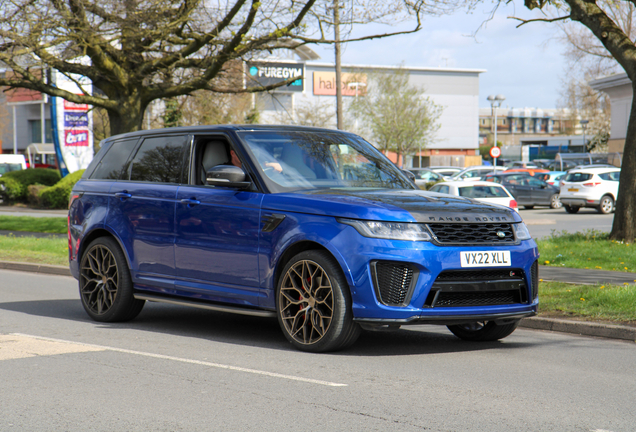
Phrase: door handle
(190, 202)
(123, 195)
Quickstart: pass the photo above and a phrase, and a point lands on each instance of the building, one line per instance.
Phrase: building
(619, 89)
(456, 90)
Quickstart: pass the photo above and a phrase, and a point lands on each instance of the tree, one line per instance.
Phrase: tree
(398, 116)
(314, 113)
(601, 21)
(135, 52)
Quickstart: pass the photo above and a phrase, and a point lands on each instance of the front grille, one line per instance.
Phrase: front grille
(470, 275)
(461, 288)
(473, 233)
(457, 299)
(534, 273)
(394, 282)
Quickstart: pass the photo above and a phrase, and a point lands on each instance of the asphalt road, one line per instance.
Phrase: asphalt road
(542, 221)
(181, 369)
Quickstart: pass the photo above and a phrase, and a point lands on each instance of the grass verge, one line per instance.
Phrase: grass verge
(588, 250)
(34, 250)
(615, 303)
(55, 225)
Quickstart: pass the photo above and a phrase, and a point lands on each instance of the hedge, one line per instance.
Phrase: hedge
(14, 184)
(57, 196)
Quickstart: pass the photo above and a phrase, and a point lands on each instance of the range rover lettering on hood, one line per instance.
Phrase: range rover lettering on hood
(469, 219)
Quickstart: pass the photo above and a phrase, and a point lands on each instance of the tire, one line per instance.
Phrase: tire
(528, 207)
(105, 286)
(571, 209)
(555, 202)
(606, 205)
(483, 331)
(313, 304)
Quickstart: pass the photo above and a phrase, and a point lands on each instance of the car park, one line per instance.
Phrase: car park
(486, 192)
(475, 173)
(424, 176)
(527, 190)
(314, 227)
(529, 171)
(590, 187)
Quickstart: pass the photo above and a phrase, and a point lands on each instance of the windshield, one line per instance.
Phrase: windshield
(293, 160)
(6, 167)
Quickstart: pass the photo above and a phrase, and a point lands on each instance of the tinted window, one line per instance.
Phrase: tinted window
(110, 166)
(536, 183)
(440, 189)
(578, 177)
(482, 192)
(159, 160)
(611, 176)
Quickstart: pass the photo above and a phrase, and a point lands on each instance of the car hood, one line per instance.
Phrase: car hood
(394, 205)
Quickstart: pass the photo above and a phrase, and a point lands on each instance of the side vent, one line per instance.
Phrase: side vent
(394, 282)
(271, 221)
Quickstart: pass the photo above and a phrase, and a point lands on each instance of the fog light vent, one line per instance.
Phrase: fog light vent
(394, 282)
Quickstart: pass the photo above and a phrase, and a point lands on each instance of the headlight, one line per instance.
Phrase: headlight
(521, 231)
(389, 230)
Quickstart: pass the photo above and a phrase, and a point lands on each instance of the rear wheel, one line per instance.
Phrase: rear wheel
(606, 205)
(105, 286)
(555, 202)
(483, 331)
(313, 304)
(571, 209)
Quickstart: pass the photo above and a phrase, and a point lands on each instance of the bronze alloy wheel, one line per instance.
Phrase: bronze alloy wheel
(99, 279)
(306, 302)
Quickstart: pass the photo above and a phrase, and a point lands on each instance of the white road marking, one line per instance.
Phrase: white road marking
(92, 347)
(17, 347)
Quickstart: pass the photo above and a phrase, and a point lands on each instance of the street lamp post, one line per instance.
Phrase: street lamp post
(495, 102)
(584, 126)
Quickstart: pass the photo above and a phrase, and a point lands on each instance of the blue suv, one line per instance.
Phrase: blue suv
(313, 226)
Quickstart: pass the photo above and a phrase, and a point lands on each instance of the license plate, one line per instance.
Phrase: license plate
(573, 190)
(485, 259)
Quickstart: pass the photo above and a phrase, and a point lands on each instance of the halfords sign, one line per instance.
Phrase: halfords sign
(260, 74)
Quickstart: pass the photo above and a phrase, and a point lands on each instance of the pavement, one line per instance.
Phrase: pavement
(556, 274)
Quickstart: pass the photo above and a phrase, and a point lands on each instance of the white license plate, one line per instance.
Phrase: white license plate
(485, 259)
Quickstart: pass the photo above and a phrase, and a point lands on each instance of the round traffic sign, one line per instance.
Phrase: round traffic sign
(495, 152)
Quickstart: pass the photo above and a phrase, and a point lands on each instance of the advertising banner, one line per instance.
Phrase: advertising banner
(353, 84)
(72, 127)
(268, 73)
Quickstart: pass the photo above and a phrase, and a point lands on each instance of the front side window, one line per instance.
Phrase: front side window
(610, 176)
(159, 160)
(300, 160)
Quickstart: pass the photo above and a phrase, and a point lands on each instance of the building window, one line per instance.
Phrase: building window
(35, 127)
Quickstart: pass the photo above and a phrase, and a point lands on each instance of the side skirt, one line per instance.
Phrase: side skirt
(208, 306)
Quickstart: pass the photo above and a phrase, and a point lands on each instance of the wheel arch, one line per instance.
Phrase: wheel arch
(95, 234)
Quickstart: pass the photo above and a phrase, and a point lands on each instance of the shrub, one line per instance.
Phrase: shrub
(57, 196)
(14, 184)
(33, 193)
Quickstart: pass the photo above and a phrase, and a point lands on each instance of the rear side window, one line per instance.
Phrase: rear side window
(440, 189)
(578, 177)
(110, 167)
(611, 176)
(159, 160)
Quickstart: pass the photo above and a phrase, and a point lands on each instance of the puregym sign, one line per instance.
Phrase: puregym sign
(261, 74)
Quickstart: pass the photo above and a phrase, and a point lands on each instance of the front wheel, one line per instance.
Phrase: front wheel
(571, 209)
(555, 202)
(313, 304)
(606, 205)
(105, 286)
(483, 331)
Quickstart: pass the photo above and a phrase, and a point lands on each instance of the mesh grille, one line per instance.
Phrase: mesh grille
(534, 272)
(472, 275)
(454, 299)
(472, 233)
(394, 281)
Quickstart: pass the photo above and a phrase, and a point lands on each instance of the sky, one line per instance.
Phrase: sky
(524, 64)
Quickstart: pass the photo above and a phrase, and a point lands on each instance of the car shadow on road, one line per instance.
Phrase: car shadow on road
(261, 332)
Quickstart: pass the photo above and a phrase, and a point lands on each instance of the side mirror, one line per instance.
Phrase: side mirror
(229, 176)
(409, 174)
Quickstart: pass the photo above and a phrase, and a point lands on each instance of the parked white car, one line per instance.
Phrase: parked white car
(475, 173)
(487, 192)
(590, 187)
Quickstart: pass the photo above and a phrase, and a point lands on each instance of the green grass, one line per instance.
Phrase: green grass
(33, 224)
(587, 250)
(591, 302)
(34, 250)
